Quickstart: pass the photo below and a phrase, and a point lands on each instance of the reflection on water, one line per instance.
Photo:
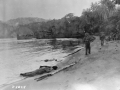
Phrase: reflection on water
(64, 44)
(18, 56)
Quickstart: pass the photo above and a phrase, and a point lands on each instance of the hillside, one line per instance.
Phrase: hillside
(23, 21)
(5, 30)
(10, 28)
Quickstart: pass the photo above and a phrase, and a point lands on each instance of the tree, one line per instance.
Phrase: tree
(116, 1)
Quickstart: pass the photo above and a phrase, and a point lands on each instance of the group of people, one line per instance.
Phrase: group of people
(89, 38)
(113, 36)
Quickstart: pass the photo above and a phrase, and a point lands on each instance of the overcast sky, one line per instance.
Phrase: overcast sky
(47, 9)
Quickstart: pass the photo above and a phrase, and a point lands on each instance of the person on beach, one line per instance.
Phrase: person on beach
(41, 70)
(102, 38)
(87, 40)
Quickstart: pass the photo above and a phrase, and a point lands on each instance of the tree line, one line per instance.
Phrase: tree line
(102, 16)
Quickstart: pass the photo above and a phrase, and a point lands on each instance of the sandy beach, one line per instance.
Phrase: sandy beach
(98, 71)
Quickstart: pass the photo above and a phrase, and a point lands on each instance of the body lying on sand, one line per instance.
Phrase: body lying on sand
(41, 70)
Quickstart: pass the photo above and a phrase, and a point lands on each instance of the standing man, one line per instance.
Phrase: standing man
(102, 38)
(87, 39)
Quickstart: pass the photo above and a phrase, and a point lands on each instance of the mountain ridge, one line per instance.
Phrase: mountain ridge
(24, 21)
(9, 28)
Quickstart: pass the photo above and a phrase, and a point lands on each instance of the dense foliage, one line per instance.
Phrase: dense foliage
(102, 16)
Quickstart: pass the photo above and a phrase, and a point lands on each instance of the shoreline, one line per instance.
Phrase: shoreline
(98, 71)
(27, 59)
(59, 64)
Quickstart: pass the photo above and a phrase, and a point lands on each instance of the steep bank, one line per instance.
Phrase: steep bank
(98, 71)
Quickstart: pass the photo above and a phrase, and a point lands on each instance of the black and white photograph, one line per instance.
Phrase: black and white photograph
(59, 44)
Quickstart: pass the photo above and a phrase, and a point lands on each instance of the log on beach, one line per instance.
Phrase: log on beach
(75, 51)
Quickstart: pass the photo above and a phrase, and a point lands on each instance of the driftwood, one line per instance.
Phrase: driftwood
(55, 72)
(78, 49)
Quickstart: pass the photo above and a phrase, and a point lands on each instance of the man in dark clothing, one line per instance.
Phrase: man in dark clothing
(87, 39)
(102, 38)
(41, 70)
